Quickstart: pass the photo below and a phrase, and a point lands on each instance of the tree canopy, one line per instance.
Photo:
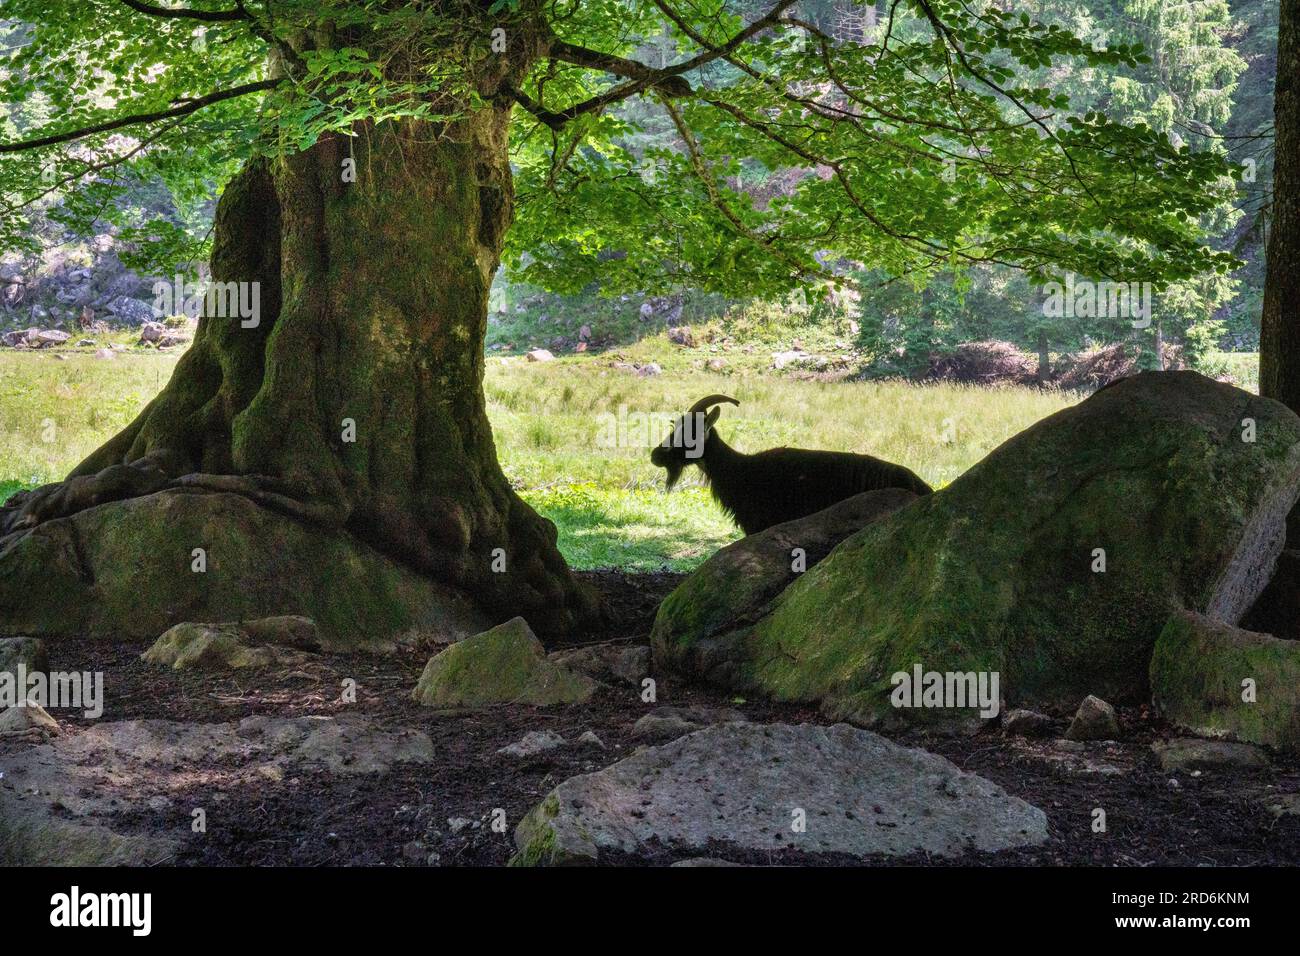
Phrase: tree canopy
(916, 147)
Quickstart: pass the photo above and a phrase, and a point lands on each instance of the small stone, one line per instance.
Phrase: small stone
(705, 861)
(1283, 805)
(1026, 723)
(664, 723)
(215, 647)
(533, 743)
(27, 719)
(1094, 720)
(589, 739)
(663, 728)
(48, 337)
(539, 355)
(504, 665)
(456, 824)
(1195, 754)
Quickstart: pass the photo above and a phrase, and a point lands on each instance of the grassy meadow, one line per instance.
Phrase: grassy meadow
(574, 434)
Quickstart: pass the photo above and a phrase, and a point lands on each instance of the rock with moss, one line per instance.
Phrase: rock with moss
(1094, 720)
(1054, 562)
(504, 665)
(741, 785)
(1217, 680)
(143, 576)
(737, 585)
(216, 647)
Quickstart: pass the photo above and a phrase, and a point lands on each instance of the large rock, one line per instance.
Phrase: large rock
(737, 585)
(137, 581)
(1217, 680)
(748, 785)
(505, 665)
(995, 573)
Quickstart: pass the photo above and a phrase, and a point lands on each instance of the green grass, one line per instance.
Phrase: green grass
(1242, 366)
(555, 427)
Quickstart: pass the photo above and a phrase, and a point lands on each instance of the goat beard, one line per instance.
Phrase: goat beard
(674, 470)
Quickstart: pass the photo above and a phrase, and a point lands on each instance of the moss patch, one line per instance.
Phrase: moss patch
(140, 576)
(1221, 681)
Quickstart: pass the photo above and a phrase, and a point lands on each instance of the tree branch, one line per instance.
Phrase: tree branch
(665, 82)
(184, 13)
(668, 82)
(139, 119)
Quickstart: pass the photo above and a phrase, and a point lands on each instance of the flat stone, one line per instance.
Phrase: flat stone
(60, 801)
(664, 723)
(1195, 753)
(533, 743)
(747, 785)
(615, 663)
(1026, 723)
(27, 719)
(215, 647)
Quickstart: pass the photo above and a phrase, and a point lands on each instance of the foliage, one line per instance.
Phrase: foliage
(919, 151)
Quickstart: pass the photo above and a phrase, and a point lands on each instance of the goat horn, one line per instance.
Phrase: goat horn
(704, 404)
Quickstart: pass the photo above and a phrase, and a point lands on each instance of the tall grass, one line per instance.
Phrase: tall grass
(574, 435)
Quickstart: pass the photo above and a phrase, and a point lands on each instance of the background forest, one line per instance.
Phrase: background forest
(1208, 85)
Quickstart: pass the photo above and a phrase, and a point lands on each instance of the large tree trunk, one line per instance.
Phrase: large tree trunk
(373, 311)
(1279, 358)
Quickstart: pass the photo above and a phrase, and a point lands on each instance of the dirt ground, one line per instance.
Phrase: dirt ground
(402, 817)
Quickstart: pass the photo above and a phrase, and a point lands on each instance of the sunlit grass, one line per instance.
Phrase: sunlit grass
(574, 435)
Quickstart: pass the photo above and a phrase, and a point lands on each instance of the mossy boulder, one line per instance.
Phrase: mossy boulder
(217, 647)
(737, 585)
(505, 665)
(140, 577)
(1176, 485)
(1217, 680)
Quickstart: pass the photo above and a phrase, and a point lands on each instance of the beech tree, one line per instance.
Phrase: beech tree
(377, 160)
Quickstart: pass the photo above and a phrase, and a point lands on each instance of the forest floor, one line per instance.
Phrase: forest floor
(439, 812)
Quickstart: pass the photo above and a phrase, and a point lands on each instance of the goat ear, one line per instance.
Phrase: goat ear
(713, 416)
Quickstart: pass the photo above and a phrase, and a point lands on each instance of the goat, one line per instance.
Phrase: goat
(776, 485)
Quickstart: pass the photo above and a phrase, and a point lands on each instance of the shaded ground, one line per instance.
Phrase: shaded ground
(402, 817)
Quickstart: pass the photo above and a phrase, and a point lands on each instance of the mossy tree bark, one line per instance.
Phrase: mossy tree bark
(373, 299)
(1279, 359)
